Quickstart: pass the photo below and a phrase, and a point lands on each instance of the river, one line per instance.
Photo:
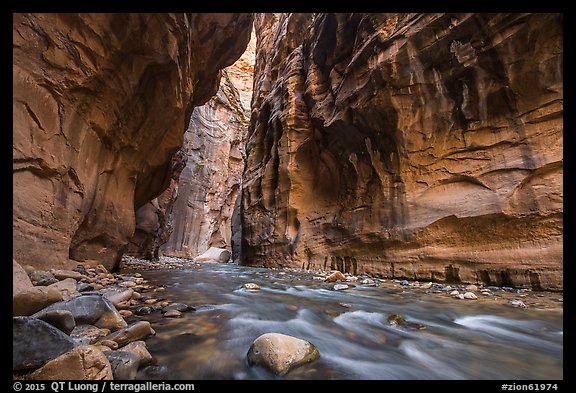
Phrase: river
(463, 339)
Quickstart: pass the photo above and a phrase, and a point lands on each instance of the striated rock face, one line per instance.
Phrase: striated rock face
(426, 146)
(100, 105)
(210, 180)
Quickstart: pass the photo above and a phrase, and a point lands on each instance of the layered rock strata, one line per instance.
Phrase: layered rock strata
(426, 146)
(100, 105)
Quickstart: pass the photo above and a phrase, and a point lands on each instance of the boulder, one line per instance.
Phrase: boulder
(117, 296)
(64, 274)
(337, 275)
(280, 353)
(124, 364)
(35, 342)
(29, 300)
(61, 319)
(85, 362)
(42, 277)
(89, 332)
(67, 288)
(139, 349)
(20, 279)
(214, 254)
(93, 310)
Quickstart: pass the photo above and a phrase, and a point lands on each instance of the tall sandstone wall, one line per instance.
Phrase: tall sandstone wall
(426, 146)
(100, 106)
(196, 211)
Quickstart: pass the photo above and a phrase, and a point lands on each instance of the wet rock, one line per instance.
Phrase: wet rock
(139, 349)
(67, 288)
(150, 301)
(518, 303)
(124, 364)
(35, 342)
(136, 295)
(27, 301)
(368, 282)
(395, 320)
(250, 285)
(89, 332)
(292, 307)
(85, 362)
(117, 296)
(144, 310)
(347, 305)
(92, 310)
(337, 275)
(125, 313)
(172, 314)
(134, 332)
(470, 296)
(42, 277)
(182, 307)
(340, 287)
(128, 284)
(280, 353)
(61, 319)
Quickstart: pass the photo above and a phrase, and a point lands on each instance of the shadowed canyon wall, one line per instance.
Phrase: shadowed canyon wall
(194, 213)
(100, 106)
(426, 146)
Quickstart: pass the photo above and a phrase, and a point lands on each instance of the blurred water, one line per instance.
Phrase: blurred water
(462, 339)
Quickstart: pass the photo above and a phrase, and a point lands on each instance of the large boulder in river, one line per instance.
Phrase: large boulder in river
(214, 254)
(280, 353)
(35, 342)
(93, 310)
(85, 362)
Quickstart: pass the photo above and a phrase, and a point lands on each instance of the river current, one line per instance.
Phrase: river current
(463, 339)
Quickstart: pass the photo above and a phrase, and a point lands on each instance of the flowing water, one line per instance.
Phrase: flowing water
(462, 340)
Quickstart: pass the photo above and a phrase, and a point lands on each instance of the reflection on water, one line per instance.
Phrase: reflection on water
(462, 339)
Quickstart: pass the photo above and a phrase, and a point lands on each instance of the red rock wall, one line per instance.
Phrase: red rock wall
(426, 146)
(101, 102)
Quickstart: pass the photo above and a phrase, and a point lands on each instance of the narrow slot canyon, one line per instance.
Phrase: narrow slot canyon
(287, 196)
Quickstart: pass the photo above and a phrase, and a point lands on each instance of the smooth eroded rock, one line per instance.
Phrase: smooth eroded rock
(30, 300)
(214, 254)
(61, 319)
(35, 342)
(335, 277)
(67, 288)
(280, 353)
(139, 349)
(85, 362)
(92, 310)
(134, 332)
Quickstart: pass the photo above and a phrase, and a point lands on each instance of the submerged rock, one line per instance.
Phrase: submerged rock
(280, 353)
(250, 285)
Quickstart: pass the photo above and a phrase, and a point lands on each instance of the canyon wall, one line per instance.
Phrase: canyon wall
(426, 146)
(195, 212)
(100, 106)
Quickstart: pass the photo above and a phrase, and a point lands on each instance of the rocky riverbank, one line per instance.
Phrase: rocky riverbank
(83, 323)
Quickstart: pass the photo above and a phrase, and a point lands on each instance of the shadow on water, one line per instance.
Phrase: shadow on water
(462, 339)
